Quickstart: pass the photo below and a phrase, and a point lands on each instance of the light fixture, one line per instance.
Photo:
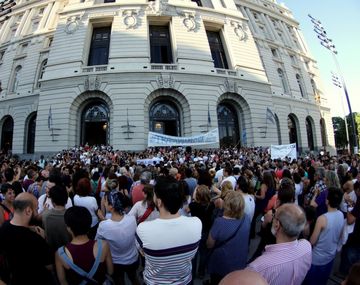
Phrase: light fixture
(104, 126)
(158, 126)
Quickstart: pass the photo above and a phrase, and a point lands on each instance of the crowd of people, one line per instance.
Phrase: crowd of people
(94, 215)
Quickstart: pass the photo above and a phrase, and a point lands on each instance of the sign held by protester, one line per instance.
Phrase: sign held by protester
(156, 139)
(284, 150)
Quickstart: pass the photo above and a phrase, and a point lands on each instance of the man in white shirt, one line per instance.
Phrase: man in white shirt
(170, 242)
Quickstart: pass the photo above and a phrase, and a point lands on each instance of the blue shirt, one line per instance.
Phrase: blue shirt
(233, 254)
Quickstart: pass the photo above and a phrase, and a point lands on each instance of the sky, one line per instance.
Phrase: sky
(341, 20)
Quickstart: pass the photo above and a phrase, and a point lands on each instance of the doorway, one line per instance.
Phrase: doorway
(95, 124)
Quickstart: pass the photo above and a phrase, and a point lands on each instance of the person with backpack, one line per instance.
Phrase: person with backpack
(6, 206)
(82, 261)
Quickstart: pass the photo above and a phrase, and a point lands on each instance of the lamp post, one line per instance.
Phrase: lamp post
(328, 43)
(337, 83)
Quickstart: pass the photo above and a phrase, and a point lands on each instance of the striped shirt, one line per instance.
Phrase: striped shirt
(284, 263)
(169, 246)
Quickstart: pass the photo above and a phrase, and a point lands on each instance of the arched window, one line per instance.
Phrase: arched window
(16, 78)
(165, 118)
(309, 131)
(95, 123)
(7, 132)
(30, 136)
(323, 132)
(41, 72)
(228, 123)
(292, 130)
(301, 85)
(283, 80)
(313, 85)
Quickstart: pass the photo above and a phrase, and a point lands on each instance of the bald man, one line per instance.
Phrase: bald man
(243, 277)
(287, 261)
(24, 246)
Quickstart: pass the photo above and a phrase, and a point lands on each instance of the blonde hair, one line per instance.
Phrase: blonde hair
(202, 194)
(234, 205)
(226, 187)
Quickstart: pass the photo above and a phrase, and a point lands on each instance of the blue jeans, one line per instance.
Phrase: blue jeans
(318, 274)
(349, 256)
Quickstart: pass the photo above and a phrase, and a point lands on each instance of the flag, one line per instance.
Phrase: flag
(270, 116)
(50, 119)
(209, 119)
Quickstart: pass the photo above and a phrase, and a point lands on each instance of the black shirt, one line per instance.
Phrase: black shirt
(27, 254)
(354, 237)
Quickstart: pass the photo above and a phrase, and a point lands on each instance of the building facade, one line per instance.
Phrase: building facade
(108, 72)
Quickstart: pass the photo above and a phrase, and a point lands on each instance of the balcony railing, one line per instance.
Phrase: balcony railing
(164, 67)
(95, 68)
(226, 72)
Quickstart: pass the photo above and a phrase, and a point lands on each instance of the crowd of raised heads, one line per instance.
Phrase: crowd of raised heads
(95, 215)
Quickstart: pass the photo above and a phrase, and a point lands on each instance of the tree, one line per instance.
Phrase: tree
(340, 132)
(357, 126)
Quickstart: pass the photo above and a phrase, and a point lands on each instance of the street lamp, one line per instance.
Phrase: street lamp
(337, 83)
(328, 43)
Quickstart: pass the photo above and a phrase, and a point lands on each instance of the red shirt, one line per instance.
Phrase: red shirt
(137, 193)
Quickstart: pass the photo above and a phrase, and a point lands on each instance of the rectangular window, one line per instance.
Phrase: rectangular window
(274, 52)
(99, 48)
(160, 44)
(22, 48)
(50, 41)
(109, 1)
(41, 11)
(217, 50)
(293, 59)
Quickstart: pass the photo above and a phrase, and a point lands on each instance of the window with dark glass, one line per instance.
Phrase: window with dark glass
(198, 2)
(217, 50)
(109, 1)
(99, 49)
(160, 44)
(41, 72)
(301, 86)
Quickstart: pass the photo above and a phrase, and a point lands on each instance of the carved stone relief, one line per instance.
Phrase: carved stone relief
(131, 18)
(92, 83)
(72, 24)
(165, 81)
(230, 86)
(240, 30)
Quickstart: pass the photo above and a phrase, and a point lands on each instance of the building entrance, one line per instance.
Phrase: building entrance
(95, 124)
(165, 119)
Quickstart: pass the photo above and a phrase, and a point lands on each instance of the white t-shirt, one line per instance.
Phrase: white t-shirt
(45, 202)
(89, 203)
(298, 191)
(121, 238)
(249, 205)
(139, 209)
(232, 179)
(169, 246)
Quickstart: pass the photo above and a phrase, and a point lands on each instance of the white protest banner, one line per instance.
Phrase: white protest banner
(155, 139)
(284, 150)
(149, 161)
